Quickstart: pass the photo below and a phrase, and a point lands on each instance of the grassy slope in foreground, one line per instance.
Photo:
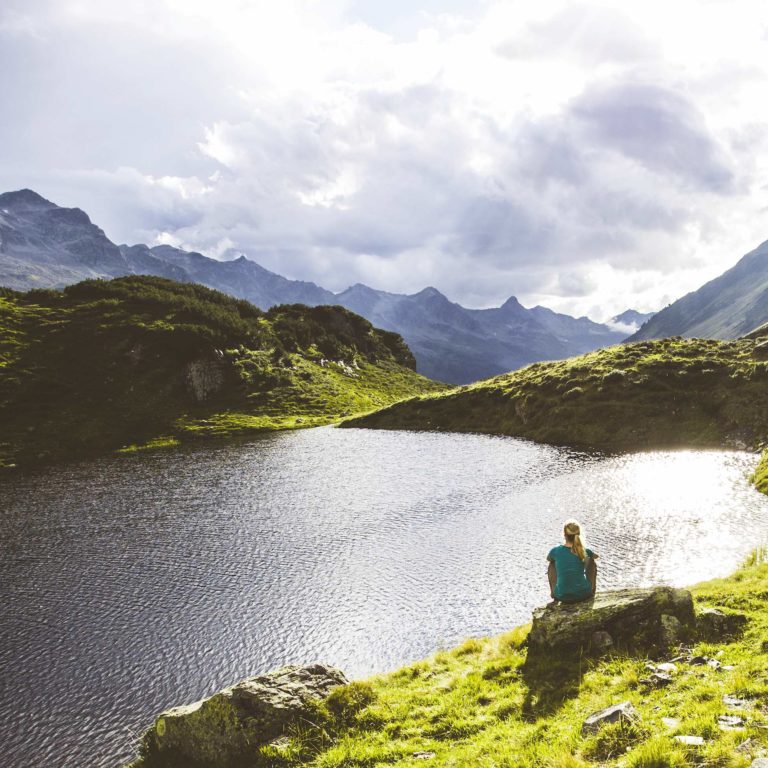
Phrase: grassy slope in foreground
(651, 394)
(478, 706)
(146, 361)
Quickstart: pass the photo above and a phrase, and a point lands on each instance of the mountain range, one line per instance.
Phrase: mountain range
(727, 307)
(43, 245)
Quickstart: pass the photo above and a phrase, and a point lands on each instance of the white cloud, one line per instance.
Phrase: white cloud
(587, 156)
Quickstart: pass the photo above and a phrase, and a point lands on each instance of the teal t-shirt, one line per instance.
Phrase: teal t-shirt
(572, 582)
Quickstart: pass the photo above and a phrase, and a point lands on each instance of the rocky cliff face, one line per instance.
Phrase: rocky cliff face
(204, 377)
(43, 245)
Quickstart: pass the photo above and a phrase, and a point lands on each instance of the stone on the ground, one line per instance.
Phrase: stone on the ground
(670, 722)
(657, 680)
(761, 762)
(227, 728)
(690, 741)
(713, 624)
(730, 723)
(423, 755)
(623, 712)
(731, 700)
(667, 668)
(631, 617)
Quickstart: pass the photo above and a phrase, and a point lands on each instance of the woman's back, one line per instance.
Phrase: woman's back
(572, 582)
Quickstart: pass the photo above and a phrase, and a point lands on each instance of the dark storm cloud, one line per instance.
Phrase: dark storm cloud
(502, 232)
(658, 128)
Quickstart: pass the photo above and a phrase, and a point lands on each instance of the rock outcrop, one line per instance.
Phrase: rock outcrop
(227, 729)
(715, 625)
(649, 620)
(204, 377)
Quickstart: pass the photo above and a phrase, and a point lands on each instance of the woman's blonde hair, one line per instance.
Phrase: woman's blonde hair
(572, 531)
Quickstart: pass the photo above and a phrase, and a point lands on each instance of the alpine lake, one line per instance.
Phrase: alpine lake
(131, 584)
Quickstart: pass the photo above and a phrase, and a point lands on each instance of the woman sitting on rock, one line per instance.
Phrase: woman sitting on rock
(572, 570)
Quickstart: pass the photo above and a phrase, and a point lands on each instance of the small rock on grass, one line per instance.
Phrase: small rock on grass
(423, 755)
(761, 762)
(730, 723)
(657, 680)
(623, 712)
(734, 701)
(670, 722)
(690, 741)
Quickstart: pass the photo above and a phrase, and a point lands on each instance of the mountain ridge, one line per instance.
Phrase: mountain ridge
(727, 307)
(44, 245)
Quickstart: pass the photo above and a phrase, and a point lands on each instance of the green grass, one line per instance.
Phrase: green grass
(106, 366)
(760, 476)
(651, 394)
(481, 705)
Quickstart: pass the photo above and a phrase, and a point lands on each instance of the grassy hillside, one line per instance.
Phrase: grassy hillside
(481, 706)
(143, 361)
(651, 394)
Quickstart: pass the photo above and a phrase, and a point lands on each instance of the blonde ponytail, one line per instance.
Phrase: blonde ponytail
(572, 531)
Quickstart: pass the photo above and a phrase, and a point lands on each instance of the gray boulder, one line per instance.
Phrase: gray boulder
(633, 618)
(228, 728)
(713, 624)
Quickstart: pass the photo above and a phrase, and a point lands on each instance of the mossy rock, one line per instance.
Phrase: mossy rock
(229, 729)
(634, 619)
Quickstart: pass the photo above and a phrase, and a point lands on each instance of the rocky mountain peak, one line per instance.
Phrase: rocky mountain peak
(358, 289)
(24, 199)
(512, 303)
(430, 293)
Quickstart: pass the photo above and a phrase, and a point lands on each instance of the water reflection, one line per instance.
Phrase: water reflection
(133, 584)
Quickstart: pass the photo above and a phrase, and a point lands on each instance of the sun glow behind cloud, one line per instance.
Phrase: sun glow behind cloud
(587, 156)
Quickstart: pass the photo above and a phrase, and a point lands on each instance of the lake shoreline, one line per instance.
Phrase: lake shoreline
(706, 592)
(346, 546)
(348, 735)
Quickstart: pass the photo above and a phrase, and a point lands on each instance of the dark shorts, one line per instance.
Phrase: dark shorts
(569, 600)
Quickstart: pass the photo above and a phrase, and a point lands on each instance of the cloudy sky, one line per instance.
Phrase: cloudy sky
(587, 156)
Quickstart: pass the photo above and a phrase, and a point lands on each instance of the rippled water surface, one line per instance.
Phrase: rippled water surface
(132, 584)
